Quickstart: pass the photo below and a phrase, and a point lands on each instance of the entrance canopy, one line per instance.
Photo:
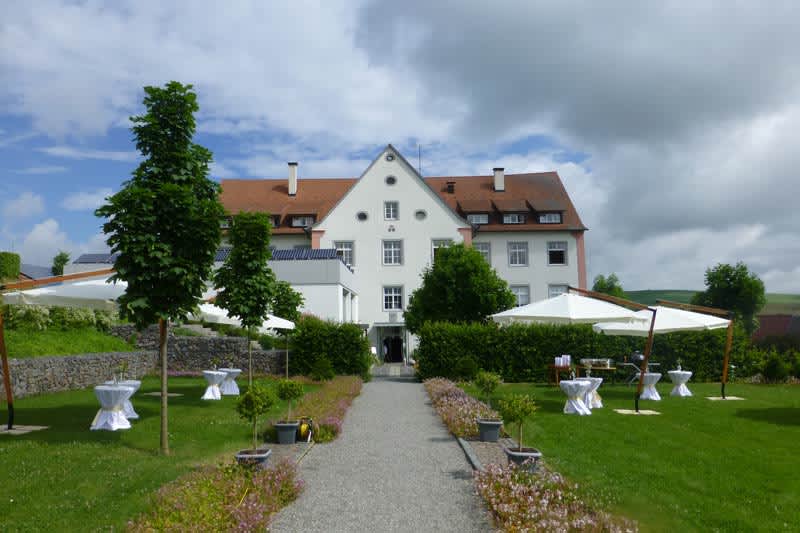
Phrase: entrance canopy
(668, 320)
(568, 308)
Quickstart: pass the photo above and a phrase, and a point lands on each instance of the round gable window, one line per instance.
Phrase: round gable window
(362, 215)
(420, 214)
(391, 180)
(390, 157)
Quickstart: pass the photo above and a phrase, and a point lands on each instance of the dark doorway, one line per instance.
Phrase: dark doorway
(393, 349)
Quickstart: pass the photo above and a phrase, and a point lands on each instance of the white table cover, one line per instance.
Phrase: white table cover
(679, 379)
(111, 416)
(127, 406)
(214, 378)
(649, 392)
(229, 386)
(592, 398)
(575, 391)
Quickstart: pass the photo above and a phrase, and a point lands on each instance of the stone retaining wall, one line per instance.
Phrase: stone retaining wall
(39, 375)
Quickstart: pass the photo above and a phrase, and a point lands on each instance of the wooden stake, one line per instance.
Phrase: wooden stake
(6, 373)
(162, 348)
(728, 344)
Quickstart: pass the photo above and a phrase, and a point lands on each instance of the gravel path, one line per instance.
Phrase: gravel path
(394, 468)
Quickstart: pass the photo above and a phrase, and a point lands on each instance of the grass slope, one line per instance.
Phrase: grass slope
(699, 466)
(22, 344)
(68, 478)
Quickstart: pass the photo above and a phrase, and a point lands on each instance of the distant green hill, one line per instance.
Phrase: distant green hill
(777, 304)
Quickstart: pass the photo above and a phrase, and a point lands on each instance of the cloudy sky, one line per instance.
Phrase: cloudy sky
(674, 127)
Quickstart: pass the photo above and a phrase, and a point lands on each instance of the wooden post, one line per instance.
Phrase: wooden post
(647, 348)
(728, 344)
(162, 348)
(6, 373)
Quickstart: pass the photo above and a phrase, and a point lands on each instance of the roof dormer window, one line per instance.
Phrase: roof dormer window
(302, 221)
(514, 218)
(478, 218)
(550, 218)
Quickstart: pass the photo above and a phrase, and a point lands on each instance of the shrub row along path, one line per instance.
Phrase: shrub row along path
(394, 468)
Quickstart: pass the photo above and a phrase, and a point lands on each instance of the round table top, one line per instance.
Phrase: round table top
(110, 395)
(214, 373)
(231, 371)
(651, 377)
(574, 387)
(132, 383)
(680, 373)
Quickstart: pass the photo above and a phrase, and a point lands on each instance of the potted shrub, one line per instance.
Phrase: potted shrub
(515, 409)
(288, 391)
(253, 403)
(488, 428)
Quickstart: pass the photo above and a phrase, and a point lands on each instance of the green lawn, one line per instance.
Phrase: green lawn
(699, 466)
(68, 478)
(22, 344)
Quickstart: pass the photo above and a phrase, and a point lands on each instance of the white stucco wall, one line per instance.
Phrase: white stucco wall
(538, 275)
(368, 195)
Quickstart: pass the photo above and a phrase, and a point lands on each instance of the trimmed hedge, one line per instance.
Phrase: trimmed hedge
(9, 266)
(523, 352)
(344, 346)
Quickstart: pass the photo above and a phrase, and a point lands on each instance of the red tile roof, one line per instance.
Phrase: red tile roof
(541, 192)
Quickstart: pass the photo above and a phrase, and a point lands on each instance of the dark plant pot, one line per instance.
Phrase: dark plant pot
(287, 432)
(254, 458)
(489, 430)
(519, 457)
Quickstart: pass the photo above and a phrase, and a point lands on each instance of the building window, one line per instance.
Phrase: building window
(518, 253)
(440, 243)
(550, 218)
(276, 221)
(302, 222)
(302, 247)
(420, 214)
(523, 294)
(393, 298)
(226, 223)
(344, 249)
(390, 210)
(392, 252)
(484, 249)
(391, 180)
(557, 253)
(555, 290)
(513, 218)
(478, 218)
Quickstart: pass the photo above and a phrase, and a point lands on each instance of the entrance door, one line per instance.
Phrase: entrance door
(393, 349)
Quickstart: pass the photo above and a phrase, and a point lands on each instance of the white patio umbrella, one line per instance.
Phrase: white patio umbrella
(88, 294)
(668, 320)
(218, 315)
(567, 308)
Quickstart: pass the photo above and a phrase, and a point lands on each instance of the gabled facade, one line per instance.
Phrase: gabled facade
(388, 223)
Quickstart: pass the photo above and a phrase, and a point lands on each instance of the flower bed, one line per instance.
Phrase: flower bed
(545, 501)
(225, 498)
(458, 410)
(328, 405)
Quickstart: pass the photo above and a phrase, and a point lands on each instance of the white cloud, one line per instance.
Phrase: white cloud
(27, 204)
(84, 153)
(47, 238)
(46, 169)
(85, 200)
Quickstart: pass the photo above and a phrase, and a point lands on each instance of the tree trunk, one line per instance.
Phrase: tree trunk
(162, 348)
(250, 357)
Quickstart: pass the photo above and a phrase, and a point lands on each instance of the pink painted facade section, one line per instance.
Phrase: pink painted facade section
(581, 259)
(316, 237)
(466, 233)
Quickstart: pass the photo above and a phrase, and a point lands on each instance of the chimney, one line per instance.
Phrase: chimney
(451, 187)
(499, 179)
(292, 178)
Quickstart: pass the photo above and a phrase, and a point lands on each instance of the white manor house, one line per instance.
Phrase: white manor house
(387, 224)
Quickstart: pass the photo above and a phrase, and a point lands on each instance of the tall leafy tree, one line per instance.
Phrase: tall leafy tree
(459, 287)
(608, 285)
(286, 304)
(165, 221)
(59, 261)
(245, 283)
(736, 289)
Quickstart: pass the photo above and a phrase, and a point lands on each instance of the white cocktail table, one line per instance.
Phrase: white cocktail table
(214, 378)
(679, 379)
(575, 391)
(127, 406)
(592, 398)
(229, 386)
(649, 392)
(111, 415)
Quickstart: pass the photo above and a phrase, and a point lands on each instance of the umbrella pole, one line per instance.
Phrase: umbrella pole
(648, 347)
(6, 374)
(728, 343)
(287, 355)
